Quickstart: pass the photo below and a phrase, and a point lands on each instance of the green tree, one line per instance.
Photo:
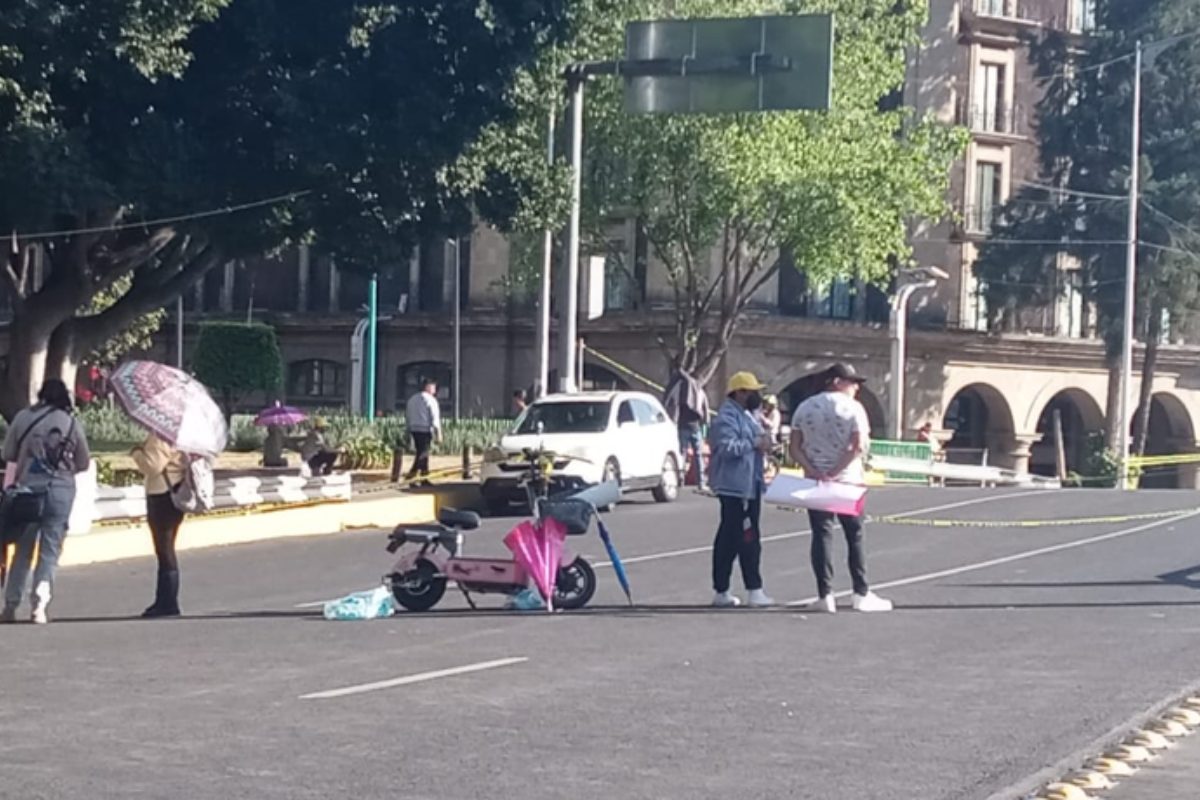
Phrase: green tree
(138, 336)
(1085, 132)
(834, 190)
(119, 121)
(235, 359)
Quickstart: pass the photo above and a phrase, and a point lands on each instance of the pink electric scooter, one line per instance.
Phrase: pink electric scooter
(434, 555)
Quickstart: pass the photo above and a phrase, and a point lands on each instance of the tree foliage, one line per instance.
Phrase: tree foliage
(235, 359)
(138, 336)
(1085, 133)
(121, 120)
(834, 189)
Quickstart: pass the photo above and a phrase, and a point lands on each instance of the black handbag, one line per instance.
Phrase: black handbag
(22, 506)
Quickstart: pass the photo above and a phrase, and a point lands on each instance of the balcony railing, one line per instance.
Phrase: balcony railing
(982, 118)
(978, 220)
(1030, 12)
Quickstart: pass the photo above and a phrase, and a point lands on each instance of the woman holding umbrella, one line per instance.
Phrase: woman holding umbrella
(163, 468)
(184, 424)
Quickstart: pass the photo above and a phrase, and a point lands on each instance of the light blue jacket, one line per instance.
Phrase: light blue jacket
(735, 467)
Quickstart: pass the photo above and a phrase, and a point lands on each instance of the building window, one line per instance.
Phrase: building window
(1069, 316)
(1083, 15)
(316, 381)
(410, 379)
(991, 113)
(832, 301)
(988, 196)
(619, 286)
(975, 308)
(992, 8)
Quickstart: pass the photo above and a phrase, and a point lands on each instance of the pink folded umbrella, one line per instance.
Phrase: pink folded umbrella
(538, 548)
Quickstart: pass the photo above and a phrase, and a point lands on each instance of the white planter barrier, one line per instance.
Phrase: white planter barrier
(96, 503)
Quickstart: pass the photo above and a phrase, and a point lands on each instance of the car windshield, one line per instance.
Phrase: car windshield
(572, 417)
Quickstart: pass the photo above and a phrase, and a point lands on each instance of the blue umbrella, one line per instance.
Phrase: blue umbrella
(618, 567)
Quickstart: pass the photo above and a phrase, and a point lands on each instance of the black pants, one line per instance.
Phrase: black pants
(164, 520)
(322, 463)
(822, 550)
(422, 443)
(738, 539)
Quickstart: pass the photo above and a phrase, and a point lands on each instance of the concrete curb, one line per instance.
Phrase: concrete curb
(118, 543)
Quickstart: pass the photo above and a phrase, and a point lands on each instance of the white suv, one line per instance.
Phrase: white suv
(622, 436)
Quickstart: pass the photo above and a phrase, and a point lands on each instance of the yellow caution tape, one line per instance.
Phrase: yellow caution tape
(622, 368)
(1030, 523)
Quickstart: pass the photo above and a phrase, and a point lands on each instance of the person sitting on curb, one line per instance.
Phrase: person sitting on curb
(737, 444)
(318, 456)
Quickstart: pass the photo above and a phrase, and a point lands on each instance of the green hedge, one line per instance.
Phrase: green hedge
(107, 427)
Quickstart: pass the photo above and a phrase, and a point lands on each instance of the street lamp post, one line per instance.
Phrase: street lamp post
(899, 337)
(1126, 400)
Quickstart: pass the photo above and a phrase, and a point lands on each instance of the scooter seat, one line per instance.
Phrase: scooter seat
(462, 520)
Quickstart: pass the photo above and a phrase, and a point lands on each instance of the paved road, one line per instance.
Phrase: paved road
(1012, 650)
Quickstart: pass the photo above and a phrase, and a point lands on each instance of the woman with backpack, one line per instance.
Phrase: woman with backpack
(47, 447)
(164, 469)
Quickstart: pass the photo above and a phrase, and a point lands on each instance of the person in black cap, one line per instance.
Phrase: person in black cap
(830, 435)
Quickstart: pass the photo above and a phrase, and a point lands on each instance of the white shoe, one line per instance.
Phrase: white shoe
(826, 605)
(9, 614)
(38, 617)
(758, 599)
(725, 600)
(871, 602)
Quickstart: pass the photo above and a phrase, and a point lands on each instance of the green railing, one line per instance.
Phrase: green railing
(918, 451)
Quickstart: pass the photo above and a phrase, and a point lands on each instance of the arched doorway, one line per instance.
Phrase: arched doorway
(800, 390)
(982, 423)
(1170, 432)
(1081, 417)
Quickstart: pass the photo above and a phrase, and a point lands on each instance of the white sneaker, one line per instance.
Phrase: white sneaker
(871, 602)
(38, 617)
(758, 599)
(726, 600)
(9, 614)
(826, 605)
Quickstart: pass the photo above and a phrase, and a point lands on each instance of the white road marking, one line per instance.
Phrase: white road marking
(691, 551)
(411, 679)
(996, 562)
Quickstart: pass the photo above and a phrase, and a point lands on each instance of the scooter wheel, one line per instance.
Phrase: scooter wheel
(421, 589)
(575, 585)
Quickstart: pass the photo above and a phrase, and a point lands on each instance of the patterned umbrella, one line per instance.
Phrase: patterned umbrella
(280, 415)
(172, 405)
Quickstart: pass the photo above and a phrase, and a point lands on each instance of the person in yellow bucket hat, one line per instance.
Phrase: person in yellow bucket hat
(737, 444)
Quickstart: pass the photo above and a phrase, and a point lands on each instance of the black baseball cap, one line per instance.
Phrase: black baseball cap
(843, 372)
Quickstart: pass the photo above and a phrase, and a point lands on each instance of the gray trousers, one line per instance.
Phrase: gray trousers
(47, 536)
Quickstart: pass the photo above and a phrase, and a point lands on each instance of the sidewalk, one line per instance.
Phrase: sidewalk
(1175, 774)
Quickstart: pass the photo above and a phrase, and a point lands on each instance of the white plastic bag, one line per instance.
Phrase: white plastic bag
(374, 604)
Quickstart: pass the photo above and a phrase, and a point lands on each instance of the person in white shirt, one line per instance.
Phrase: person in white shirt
(423, 418)
(830, 436)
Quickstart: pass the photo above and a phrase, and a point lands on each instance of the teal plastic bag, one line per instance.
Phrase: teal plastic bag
(374, 604)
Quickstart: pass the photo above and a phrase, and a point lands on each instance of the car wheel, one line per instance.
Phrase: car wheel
(612, 472)
(668, 487)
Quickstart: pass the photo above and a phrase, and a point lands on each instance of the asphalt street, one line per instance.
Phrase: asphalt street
(1014, 652)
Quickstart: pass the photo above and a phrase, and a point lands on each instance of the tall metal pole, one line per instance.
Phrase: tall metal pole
(372, 344)
(179, 332)
(571, 314)
(543, 382)
(457, 387)
(1126, 400)
(899, 338)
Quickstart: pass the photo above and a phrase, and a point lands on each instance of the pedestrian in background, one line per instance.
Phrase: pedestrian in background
(687, 404)
(162, 468)
(737, 444)
(47, 447)
(520, 402)
(423, 418)
(316, 452)
(830, 436)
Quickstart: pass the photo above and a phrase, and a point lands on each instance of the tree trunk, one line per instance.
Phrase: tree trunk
(27, 349)
(1112, 410)
(1141, 423)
